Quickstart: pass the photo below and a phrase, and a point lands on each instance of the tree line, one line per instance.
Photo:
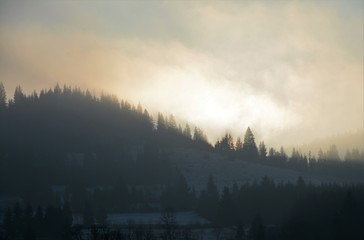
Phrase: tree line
(258, 210)
(248, 150)
(327, 163)
(69, 137)
(65, 118)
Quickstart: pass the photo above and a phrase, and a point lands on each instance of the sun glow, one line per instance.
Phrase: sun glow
(221, 66)
(193, 97)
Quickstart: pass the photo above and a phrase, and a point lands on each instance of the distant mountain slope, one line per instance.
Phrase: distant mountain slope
(67, 136)
(343, 142)
(198, 165)
(72, 120)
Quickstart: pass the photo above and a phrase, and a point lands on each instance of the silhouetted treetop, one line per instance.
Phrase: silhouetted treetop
(73, 120)
(262, 151)
(2, 97)
(239, 145)
(249, 147)
(200, 138)
(187, 131)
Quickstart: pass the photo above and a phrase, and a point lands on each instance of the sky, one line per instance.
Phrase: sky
(291, 70)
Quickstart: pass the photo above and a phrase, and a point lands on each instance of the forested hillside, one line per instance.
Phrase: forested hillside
(65, 151)
(70, 119)
(67, 136)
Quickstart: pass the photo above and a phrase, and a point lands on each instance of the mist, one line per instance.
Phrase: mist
(293, 71)
(171, 120)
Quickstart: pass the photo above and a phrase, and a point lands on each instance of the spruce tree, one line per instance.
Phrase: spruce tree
(262, 151)
(239, 145)
(250, 150)
(19, 96)
(187, 131)
(2, 97)
(161, 123)
(171, 123)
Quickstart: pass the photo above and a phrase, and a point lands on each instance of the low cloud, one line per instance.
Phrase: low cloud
(291, 70)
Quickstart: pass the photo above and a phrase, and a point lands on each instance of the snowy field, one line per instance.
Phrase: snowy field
(181, 218)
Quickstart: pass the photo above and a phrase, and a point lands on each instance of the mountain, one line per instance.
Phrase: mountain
(68, 137)
(343, 142)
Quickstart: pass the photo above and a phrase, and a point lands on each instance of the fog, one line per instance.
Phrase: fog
(293, 71)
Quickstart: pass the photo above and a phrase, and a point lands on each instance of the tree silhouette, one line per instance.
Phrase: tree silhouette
(257, 231)
(321, 156)
(139, 108)
(2, 97)
(199, 136)
(333, 153)
(187, 131)
(250, 150)
(172, 125)
(238, 146)
(226, 145)
(262, 151)
(208, 200)
(161, 122)
(226, 208)
(283, 155)
(19, 96)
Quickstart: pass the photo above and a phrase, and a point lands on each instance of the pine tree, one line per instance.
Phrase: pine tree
(238, 145)
(262, 151)
(161, 123)
(187, 131)
(226, 145)
(283, 155)
(295, 156)
(230, 143)
(321, 156)
(209, 200)
(199, 135)
(2, 97)
(172, 123)
(271, 154)
(250, 150)
(217, 146)
(226, 209)
(139, 109)
(333, 153)
(57, 90)
(182, 193)
(19, 96)
(211, 187)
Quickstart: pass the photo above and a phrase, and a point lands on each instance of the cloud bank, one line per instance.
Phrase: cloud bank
(291, 70)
